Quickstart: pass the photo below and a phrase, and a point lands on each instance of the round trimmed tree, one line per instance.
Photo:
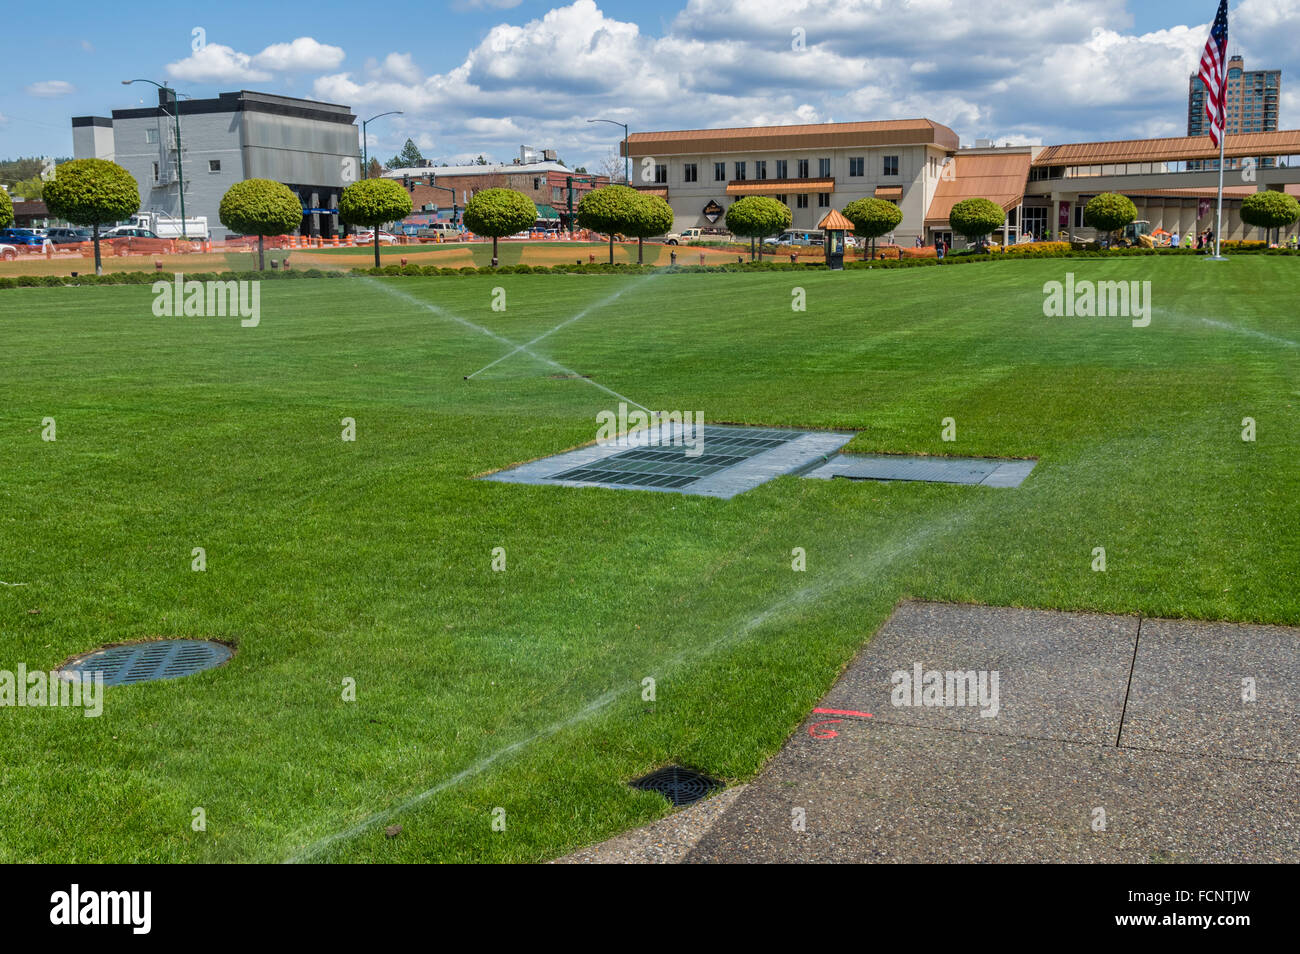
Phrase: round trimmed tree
(498, 212)
(372, 203)
(975, 219)
(873, 218)
(92, 192)
(611, 209)
(260, 207)
(1109, 212)
(6, 210)
(1269, 210)
(656, 218)
(756, 217)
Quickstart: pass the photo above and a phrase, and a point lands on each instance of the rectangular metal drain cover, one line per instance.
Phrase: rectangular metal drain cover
(987, 472)
(731, 461)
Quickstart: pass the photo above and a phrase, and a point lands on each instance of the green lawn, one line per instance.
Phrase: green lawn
(521, 690)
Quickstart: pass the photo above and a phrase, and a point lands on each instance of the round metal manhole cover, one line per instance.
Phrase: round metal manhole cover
(146, 662)
(681, 786)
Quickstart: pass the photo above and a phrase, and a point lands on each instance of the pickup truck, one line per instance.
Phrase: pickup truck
(697, 235)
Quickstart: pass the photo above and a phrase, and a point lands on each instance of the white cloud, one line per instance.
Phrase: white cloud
(303, 54)
(1068, 70)
(50, 88)
(214, 63)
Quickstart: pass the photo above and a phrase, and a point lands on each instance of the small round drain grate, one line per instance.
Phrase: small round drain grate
(681, 786)
(146, 662)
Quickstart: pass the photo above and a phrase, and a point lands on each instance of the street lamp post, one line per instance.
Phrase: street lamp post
(365, 155)
(180, 174)
(627, 159)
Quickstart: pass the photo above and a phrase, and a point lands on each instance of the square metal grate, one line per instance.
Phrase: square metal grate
(731, 460)
(671, 466)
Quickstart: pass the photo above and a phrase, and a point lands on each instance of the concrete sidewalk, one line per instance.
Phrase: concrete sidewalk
(1107, 739)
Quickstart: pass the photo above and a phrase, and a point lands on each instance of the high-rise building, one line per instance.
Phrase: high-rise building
(1252, 100)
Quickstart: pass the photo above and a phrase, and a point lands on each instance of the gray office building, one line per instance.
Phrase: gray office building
(311, 147)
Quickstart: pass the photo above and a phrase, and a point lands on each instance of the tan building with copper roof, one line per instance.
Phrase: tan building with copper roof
(920, 165)
(811, 168)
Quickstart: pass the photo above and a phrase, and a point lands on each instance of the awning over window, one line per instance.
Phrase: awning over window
(889, 192)
(778, 186)
(661, 192)
(547, 212)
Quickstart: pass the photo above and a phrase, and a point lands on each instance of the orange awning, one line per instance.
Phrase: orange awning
(661, 192)
(778, 186)
(889, 192)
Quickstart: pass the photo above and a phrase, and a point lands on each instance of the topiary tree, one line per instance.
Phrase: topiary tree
(757, 217)
(873, 218)
(974, 219)
(372, 202)
(1109, 212)
(611, 209)
(498, 212)
(6, 210)
(92, 192)
(260, 207)
(1268, 210)
(656, 218)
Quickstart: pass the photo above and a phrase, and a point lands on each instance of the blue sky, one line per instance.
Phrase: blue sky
(484, 76)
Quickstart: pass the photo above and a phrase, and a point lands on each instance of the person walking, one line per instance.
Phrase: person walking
(1173, 239)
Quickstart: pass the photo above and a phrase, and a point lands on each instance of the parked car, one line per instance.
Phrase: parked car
(66, 236)
(27, 237)
(8, 253)
(367, 236)
(439, 231)
(697, 235)
(127, 240)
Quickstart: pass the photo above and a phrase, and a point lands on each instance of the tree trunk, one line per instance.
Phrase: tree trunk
(640, 246)
(99, 266)
(261, 257)
(611, 248)
(760, 250)
(495, 258)
(376, 246)
(751, 248)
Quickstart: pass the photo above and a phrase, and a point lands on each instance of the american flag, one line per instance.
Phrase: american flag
(1212, 73)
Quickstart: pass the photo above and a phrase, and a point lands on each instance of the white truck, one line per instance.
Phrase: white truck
(697, 235)
(169, 227)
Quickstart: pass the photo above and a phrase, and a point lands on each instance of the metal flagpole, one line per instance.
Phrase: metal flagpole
(1218, 217)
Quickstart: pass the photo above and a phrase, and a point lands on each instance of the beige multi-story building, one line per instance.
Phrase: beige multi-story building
(811, 168)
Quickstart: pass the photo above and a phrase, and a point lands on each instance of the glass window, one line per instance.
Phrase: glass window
(740, 170)
(823, 167)
(214, 165)
(782, 169)
(689, 172)
(801, 200)
(719, 172)
(891, 166)
(857, 166)
(151, 135)
(661, 174)
(803, 168)
(823, 200)
(760, 169)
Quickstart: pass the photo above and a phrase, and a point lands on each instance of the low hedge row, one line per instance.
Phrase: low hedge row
(148, 278)
(1057, 250)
